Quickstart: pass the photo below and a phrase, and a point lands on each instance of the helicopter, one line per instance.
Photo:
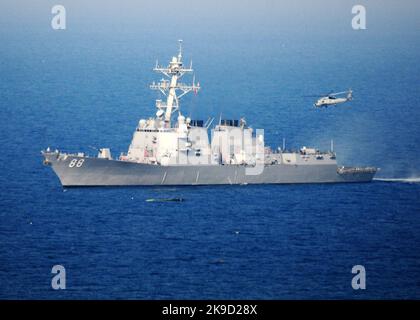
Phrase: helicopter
(332, 100)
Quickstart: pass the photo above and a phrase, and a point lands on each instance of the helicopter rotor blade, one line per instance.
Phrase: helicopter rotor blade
(319, 95)
(329, 94)
(337, 93)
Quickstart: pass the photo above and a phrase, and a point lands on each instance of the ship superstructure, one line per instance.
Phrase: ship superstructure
(172, 149)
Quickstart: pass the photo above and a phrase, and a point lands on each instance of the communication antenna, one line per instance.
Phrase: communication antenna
(180, 50)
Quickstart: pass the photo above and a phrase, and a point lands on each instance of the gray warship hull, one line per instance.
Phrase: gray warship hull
(104, 172)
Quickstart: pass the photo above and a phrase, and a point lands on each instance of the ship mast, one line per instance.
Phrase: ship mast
(174, 71)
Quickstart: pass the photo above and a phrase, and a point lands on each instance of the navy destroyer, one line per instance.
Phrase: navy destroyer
(171, 149)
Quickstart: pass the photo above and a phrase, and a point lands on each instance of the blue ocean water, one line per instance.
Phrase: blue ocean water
(88, 86)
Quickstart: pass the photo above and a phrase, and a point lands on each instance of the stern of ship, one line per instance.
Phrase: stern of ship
(357, 174)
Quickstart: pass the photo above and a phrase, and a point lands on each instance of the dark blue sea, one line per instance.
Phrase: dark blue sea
(87, 86)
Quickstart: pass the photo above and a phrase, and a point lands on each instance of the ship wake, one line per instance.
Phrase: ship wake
(401, 180)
